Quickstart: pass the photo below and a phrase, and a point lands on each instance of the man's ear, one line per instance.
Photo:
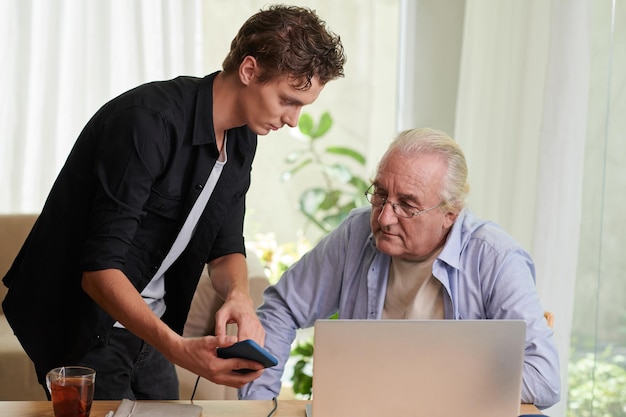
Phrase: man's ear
(449, 219)
(248, 70)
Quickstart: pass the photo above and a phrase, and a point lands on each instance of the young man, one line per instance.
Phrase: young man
(153, 190)
(416, 253)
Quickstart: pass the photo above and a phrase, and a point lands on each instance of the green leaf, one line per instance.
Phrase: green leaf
(334, 220)
(330, 200)
(299, 366)
(348, 207)
(311, 199)
(305, 124)
(304, 349)
(286, 176)
(349, 152)
(326, 122)
(302, 381)
(302, 384)
(359, 184)
(324, 228)
(340, 172)
(306, 386)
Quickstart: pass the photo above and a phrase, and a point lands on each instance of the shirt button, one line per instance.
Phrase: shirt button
(199, 187)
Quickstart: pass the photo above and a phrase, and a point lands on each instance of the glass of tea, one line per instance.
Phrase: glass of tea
(71, 388)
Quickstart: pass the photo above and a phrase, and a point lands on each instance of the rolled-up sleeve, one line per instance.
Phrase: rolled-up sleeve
(132, 151)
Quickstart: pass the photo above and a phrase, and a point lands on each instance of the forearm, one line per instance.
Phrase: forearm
(229, 275)
(112, 290)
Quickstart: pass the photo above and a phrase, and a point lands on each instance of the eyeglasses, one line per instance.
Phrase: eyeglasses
(400, 209)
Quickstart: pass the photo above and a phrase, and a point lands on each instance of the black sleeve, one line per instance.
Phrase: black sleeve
(132, 150)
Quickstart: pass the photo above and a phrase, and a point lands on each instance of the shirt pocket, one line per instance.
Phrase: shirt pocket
(160, 205)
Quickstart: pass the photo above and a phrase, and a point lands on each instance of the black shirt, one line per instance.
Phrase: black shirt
(123, 194)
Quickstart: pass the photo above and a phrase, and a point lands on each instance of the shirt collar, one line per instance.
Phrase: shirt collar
(204, 131)
(451, 253)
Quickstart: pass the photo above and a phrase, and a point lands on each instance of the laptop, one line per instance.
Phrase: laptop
(406, 368)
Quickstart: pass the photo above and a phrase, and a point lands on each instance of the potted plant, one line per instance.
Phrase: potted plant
(340, 190)
(324, 205)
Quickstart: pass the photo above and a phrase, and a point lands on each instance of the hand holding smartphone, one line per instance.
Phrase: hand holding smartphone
(248, 349)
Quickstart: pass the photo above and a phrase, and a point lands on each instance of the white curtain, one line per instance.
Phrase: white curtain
(62, 59)
(522, 117)
(561, 163)
(499, 108)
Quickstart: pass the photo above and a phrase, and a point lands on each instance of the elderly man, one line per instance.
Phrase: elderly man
(416, 253)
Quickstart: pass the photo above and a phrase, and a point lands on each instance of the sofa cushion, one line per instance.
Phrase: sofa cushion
(13, 231)
(18, 381)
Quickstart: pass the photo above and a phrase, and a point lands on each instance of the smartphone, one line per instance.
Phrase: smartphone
(248, 349)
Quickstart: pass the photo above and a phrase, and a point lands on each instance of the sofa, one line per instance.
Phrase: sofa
(17, 373)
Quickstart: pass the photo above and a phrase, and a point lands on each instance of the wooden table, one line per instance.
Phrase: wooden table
(286, 408)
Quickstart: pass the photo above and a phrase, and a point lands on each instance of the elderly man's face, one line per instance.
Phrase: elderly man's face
(415, 181)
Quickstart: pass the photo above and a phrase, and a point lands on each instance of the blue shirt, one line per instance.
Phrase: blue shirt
(485, 274)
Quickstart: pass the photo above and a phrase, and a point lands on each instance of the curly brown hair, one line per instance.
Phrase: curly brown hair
(288, 40)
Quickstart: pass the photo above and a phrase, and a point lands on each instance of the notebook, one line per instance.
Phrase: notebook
(405, 368)
(128, 408)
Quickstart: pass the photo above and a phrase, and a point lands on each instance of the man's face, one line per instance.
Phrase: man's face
(271, 105)
(415, 181)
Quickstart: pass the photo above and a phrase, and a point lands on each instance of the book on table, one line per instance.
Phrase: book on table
(156, 409)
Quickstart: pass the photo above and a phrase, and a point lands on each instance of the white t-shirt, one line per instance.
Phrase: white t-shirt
(413, 292)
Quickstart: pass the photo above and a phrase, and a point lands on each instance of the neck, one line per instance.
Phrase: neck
(429, 258)
(220, 138)
(225, 110)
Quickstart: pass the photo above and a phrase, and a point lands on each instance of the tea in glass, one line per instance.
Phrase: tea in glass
(71, 388)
